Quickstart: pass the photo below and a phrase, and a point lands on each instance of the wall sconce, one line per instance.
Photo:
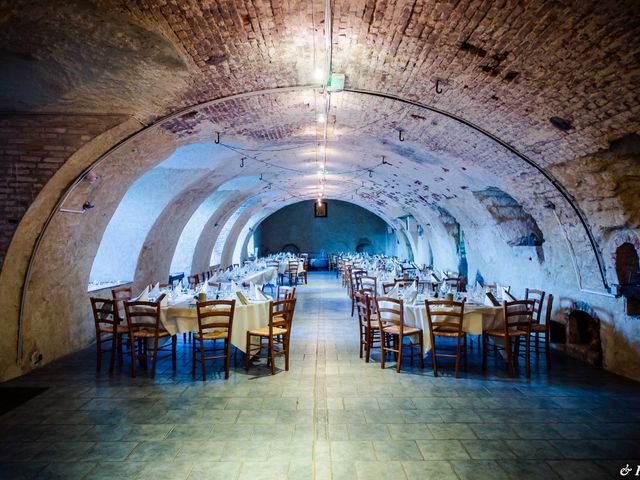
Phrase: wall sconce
(419, 230)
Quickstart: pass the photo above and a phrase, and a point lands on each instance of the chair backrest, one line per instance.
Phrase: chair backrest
(193, 280)
(356, 276)
(390, 311)
(143, 315)
(538, 298)
(451, 314)
(387, 287)
(166, 285)
(285, 293)
(280, 313)
(293, 267)
(424, 285)
(105, 314)
(403, 282)
(363, 307)
(408, 272)
(121, 295)
(455, 283)
(216, 314)
(518, 315)
(273, 263)
(369, 285)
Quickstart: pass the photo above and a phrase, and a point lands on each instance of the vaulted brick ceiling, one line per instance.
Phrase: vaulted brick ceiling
(503, 67)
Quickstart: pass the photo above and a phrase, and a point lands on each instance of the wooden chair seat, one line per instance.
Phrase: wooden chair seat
(264, 331)
(501, 333)
(121, 329)
(151, 334)
(395, 330)
(211, 335)
(445, 332)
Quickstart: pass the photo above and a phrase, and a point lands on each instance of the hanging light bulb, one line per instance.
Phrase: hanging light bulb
(318, 74)
(322, 118)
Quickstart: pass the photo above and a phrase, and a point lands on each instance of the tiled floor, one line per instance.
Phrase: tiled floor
(330, 416)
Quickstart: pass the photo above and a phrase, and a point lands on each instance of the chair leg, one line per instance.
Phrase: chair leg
(434, 356)
(421, 349)
(247, 354)
(272, 356)
(132, 340)
(383, 339)
(202, 361)
(286, 352)
(155, 358)
(227, 357)
(114, 352)
(399, 355)
(368, 338)
(457, 359)
(507, 347)
(527, 358)
(362, 338)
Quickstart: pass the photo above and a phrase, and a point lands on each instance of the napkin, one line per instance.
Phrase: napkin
(411, 296)
(144, 295)
(243, 300)
(393, 292)
(252, 290)
(262, 295)
(155, 291)
(165, 301)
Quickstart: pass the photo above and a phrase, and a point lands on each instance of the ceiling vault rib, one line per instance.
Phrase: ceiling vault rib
(554, 182)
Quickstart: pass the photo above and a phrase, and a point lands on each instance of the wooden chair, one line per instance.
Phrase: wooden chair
(517, 324)
(108, 329)
(369, 285)
(193, 280)
(538, 328)
(387, 287)
(369, 325)
(121, 295)
(403, 282)
(302, 275)
(293, 272)
(538, 299)
(276, 335)
(450, 326)
(455, 283)
(215, 322)
(285, 293)
(143, 321)
(393, 332)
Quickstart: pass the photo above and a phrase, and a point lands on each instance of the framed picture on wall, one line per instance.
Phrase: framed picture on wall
(320, 208)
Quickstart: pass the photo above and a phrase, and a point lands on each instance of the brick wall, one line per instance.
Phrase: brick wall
(32, 149)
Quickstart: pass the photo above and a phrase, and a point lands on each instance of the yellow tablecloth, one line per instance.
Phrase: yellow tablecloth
(183, 317)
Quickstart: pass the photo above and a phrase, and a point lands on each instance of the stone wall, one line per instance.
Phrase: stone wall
(345, 227)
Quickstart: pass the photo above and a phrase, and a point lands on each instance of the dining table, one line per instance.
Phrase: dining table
(477, 318)
(181, 316)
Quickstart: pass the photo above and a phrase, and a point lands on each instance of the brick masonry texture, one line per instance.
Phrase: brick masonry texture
(32, 149)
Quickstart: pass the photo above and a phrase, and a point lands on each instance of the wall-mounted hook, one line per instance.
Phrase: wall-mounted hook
(384, 161)
(260, 176)
(269, 187)
(370, 173)
(438, 89)
(400, 137)
(217, 140)
(242, 162)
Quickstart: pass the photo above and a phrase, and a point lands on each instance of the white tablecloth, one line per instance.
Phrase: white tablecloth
(183, 317)
(263, 277)
(477, 318)
(283, 268)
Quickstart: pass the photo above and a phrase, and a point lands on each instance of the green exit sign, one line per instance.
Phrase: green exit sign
(336, 82)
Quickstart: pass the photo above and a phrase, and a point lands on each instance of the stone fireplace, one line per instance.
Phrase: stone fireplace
(578, 334)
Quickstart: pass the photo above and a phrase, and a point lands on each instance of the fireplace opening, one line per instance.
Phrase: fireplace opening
(583, 335)
(577, 333)
(628, 272)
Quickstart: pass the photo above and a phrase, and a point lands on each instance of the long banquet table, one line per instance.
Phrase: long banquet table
(182, 317)
(477, 318)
